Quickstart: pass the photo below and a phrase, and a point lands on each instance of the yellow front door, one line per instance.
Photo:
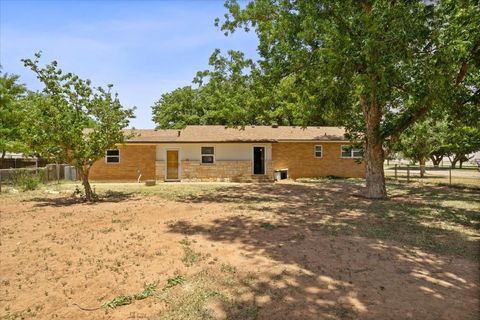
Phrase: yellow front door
(172, 164)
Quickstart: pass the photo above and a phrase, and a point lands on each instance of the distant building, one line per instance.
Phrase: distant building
(19, 160)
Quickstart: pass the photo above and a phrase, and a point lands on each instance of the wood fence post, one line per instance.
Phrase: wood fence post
(450, 176)
(396, 178)
(408, 174)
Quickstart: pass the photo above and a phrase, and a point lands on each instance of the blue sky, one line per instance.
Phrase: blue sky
(143, 48)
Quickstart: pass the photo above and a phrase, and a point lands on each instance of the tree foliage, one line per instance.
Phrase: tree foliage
(73, 121)
(423, 138)
(377, 65)
(440, 134)
(234, 93)
(11, 114)
(461, 141)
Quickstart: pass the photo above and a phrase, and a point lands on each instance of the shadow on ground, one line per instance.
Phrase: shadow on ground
(65, 201)
(345, 257)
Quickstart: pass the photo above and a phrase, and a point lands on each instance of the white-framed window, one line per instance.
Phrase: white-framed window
(318, 151)
(350, 152)
(112, 156)
(208, 155)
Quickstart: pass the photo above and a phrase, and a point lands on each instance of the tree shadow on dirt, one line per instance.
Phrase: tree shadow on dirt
(65, 201)
(345, 257)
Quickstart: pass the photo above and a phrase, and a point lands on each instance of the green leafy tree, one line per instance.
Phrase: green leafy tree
(11, 114)
(177, 109)
(73, 121)
(222, 95)
(381, 65)
(421, 139)
(233, 92)
(462, 141)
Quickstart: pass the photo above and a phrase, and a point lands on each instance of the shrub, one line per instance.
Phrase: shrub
(29, 183)
(25, 179)
(42, 175)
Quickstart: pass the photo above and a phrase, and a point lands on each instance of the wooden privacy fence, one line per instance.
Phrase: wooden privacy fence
(17, 163)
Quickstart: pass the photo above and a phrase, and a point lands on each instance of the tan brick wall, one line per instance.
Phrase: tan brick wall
(134, 159)
(300, 160)
(223, 170)
(297, 157)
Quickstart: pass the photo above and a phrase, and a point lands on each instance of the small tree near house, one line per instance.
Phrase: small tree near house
(73, 121)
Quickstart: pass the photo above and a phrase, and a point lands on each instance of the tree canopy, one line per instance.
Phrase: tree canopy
(375, 67)
(73, 121)
(234, 93)
(11, 114)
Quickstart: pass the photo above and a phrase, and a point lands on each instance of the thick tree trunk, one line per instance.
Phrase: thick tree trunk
(374, 153)
(422, 168)
(436, 160)
(463, 159)
(375, 178)
(89, 195)
(454, 161)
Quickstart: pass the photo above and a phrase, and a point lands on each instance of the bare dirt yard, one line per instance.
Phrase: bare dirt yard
(312, 249)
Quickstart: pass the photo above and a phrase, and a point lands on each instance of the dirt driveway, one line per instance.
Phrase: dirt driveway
(311, 250)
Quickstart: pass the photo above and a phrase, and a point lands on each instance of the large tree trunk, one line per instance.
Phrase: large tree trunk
(463, 159)
(374, 153)
(436, 159)
(453, 162)
(89, 195)
(422, 167)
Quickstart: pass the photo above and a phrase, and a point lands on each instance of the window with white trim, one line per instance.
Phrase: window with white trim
(112, 156)
(208, 155)
(318, 151)
(350, 152)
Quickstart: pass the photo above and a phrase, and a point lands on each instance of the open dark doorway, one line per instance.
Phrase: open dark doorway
(258, 160)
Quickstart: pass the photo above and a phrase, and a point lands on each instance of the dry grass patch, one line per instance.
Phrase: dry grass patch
(310, 249)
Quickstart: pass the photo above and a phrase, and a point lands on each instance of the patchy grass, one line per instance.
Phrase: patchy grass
(175, 281)
(190, 257)
(117, 302)
(436, 219)
(120, 191)
(208, 294)
(307, 249)
(148, 291)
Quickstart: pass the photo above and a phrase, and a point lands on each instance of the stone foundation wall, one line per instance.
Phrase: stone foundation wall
(221, 170)
(160, 170)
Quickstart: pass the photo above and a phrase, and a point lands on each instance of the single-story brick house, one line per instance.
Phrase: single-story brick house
(230, 154)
